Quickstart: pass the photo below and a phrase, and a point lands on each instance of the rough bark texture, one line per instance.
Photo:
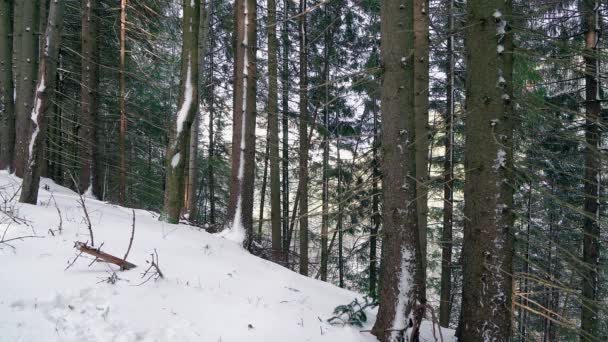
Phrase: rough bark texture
(240, 205)
(488, 233)
(187, 106)
(211, 161)
(89, 83)
(445, 292)
(273, 128)
(122, 137)
(590, 320)
(7, 115)
(373, 239)
(203, 43)
(42, 102)
(421, 114)
(27, 63)
(303, 170)
(400, 244)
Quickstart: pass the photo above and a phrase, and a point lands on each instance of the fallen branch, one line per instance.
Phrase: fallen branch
(123, 264)
(84, 208)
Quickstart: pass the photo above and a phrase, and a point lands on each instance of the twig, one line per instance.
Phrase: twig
(84, 208)
(132, 235)
(60, 228)
(157, 273)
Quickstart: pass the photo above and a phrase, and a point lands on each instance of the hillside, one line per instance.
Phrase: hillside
(213, 290)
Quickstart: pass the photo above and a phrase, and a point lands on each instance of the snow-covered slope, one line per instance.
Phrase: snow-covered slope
(213, 290)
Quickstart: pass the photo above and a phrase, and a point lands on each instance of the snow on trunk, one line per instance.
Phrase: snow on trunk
(182, 114)
(237, 230)
(34, 117)
(406, 281)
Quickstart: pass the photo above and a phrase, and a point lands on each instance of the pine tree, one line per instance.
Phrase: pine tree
(177, 149)
(42, 102)
(488, 236)
(7, 115)
(240, 205)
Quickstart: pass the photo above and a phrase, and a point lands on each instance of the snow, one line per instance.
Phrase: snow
(34, 117)
(213, 290)
(501, 159)
(182, 114)
(500, 48)
(405, 291)
(175, 160)
(497, 14)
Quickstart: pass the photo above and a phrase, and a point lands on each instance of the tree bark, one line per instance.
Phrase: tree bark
(400, 261)
(445, 292)
(27, 63)
(177, 148)
(590, 317)
(89, 84)
(488, 233)
(203, 43)
(273, 127)
(42, 102)
(285, 127)
(122, 137)
(7, 114)
(303, 132)
(376, 217)
(421, 114)
(211, 159)
(240, 205)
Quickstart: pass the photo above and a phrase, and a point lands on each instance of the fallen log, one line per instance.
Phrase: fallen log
(123, 264)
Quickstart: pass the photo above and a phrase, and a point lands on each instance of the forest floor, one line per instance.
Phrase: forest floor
(212, 290)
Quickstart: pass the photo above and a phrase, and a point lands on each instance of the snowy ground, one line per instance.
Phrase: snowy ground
(212, 291)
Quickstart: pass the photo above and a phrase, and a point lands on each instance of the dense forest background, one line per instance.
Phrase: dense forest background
(312, 81)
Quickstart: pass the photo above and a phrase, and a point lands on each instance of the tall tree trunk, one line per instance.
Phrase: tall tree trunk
(590, 320)
(339, 226)
(27, 63)
(445, 292)
(7, 114)
(203, 43)
(488, 235)
(240, 205)
(89, 83)
(42, 102)
(188, 104)
(285, 127)
(303, 173)
(421, 114)
(373, 262)
(122, 137)
(211, 159)
(398, 288)
(264, 182)
(326, 140)
(273, 128)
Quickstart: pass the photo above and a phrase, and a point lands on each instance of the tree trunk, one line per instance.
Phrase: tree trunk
(27, 62)
(240, 205)
(285, 126)
(326, 141)
(445, 292)
(188, 104)
(122, 171)
(42, 102)
(7, 114)
(303, 173)
(339, 226)
(373, 262)
(89, 175)
(400, 264)
(203, 43)
(211, 161)
(488, 235)
(263, 191)
(421, 115)
(590, 320)
(273, 128)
